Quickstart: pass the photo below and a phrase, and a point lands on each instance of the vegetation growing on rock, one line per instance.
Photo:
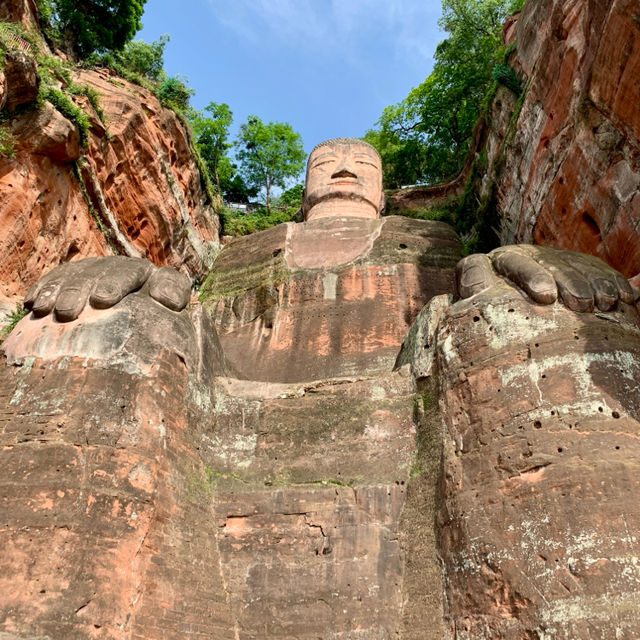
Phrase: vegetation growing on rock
(7, 142)
(88, 26)
(284, 208)
(12, 320)
(425, 137)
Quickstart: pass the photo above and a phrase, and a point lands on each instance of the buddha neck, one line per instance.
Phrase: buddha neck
(341, 207)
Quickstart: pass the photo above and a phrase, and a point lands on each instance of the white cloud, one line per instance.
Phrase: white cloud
(336, 27)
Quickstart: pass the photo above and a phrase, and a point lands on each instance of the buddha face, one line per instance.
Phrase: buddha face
(344, 178)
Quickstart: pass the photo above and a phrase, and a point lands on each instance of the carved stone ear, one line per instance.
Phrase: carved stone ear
(304, 208)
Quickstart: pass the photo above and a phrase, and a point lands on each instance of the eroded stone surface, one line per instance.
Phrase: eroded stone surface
(21, 78)
(283, 314)
(537, 529)
(24, 11)
(154, 498)
(323, 508)
(102, 500)
(568, 173)
(310, 483)
(47, 132)
(138, 174)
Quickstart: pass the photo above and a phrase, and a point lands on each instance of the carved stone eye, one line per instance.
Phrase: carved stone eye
(319, 164)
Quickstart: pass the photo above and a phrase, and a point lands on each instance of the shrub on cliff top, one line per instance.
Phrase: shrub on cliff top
(144, 58)
(174, 93)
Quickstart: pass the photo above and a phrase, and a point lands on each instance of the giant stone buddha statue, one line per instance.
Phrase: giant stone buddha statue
(346, 437)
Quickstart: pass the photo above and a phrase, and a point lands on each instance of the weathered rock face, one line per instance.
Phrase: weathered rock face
(23, 11)
(101, 505)
(21, 79)
(570, 176)
(296, 497)
(169, 221)
(483, 489)
(136, 190)
(327, 298)
(47, 132)
(309, 500)
(538, 521)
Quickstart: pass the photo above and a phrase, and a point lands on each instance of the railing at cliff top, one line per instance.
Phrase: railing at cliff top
(246, 207)
(19, 43)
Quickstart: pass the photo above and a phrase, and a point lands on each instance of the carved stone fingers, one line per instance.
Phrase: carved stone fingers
(582, 282)
(103, 282)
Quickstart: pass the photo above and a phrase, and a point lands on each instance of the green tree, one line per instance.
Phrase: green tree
(235, 189)
(291, 199)
(426, 136)
(211, 135)
(404, 156)
(144, 58)
(88, 26)
(270, 154)
(174, 93)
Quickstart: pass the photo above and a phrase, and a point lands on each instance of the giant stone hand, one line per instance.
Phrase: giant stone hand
(581, 281)
(103, 282)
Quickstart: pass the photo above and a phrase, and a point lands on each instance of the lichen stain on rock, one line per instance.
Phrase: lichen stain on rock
(508, 325)
(141, 477)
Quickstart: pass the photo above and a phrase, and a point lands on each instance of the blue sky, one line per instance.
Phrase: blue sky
(328, 67)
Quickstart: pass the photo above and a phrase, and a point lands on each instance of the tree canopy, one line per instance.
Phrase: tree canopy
(212, 133)
(174, 92)
(270, 154)
(426, 136)
(88, 26)
(144, 58)
(211, 136)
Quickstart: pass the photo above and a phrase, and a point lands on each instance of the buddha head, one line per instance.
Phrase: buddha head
(344, 178)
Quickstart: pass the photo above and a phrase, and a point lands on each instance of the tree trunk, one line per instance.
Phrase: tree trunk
(267, 189)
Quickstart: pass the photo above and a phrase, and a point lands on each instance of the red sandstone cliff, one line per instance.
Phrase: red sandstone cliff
(569, 173)
(23, 11)
(147, 494)
(135, 190)
(561, 167)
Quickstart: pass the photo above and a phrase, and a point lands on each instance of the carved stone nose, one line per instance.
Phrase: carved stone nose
(343, 173)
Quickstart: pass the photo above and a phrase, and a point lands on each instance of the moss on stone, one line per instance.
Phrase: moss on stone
(226, 284)
(7, 142)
